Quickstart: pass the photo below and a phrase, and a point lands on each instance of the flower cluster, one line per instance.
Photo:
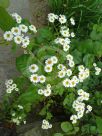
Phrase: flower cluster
(17, 119)
(83, 73)
(70, 60)
(34, 78)
(64, 30)
(46, 124)
(49, 64)
(98, 70)
(46, 92)
(11, 86)
(80, 106)
(18, 34)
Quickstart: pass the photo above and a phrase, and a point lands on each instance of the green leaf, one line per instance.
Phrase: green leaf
(93, 129)
(49, 116)
(44, 34)
(58, 134)
(23, 62)
(4, 3)
(99, 124)
(30, 96)
(77, 56)
(86, 129)
(88, 60)
(69, 99)
(66, 126)
(6, 21)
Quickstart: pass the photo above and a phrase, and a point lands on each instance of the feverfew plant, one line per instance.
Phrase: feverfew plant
(51, 71)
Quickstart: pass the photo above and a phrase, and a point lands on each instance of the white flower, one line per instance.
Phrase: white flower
(48, 68)
(64, 28)
(72, 34)
(46, 124)
(69, 72)
(54, 59)
(73, 83)
(48, 86)
(76, 79)
(33, 68)
(69, 57)
(66, 47)
(18, 39)
(81, 76)
(16, 31)
(80, 114)
(98, 70)
(17, 17)
(86, 96)
(67, 40)
(74, 119)
(61, 74)
(80, 92)
(60, 66)
(89, 109)
(20, 107)
(8, 36)
(72, 21)
(66, 82)
(34, 78)
(40, 91)
(81, 68)
(8, 82)
(52, 17)
(47, 92)
(16, 89)
(14, 86)
(9, 91)
(80, 108)
(94, 64)
(62, 19)
(80, 98)
(33, 28)
(71, 63)
(49, 62)
(23, 28)
(24, 122)
(87, 73)
(65, 33)
(42, 79)
(25, 42)
(50, 125)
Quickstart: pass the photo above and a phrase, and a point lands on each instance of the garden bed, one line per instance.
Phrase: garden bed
(58, 91)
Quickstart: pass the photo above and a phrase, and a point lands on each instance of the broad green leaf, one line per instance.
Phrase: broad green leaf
(66, 126)
(30, 96)
(44, 34)
(4, 3)
(69, 99)
(93, 129)
(85, 129)
(6, 21)
(99, 124)
(23, 62)
(77, 56)
(49, 116)
(58, 134)
(88, 60)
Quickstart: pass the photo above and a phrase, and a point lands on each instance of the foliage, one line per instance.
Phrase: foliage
(85, 12)
(6, 21)
(42, 46)
(4, 3)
